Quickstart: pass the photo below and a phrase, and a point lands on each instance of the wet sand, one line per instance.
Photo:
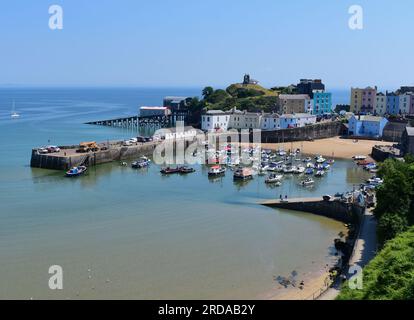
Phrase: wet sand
(331, 147)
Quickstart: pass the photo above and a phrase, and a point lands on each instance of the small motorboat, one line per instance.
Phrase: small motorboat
(76, 171)
(307, 182)
(215, 171)
(363, 162)
(326, 166)
(243, 174)
(308, 159)
(274, 178)
(310, 165)
(299, 170)
(169, 170)
(141, 163)
(319, 173)
(309, 171)
(288, 169)
(359, 157)
(185, 170)
(320, 160)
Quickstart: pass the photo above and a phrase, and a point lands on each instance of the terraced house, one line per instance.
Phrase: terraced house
(363, 100)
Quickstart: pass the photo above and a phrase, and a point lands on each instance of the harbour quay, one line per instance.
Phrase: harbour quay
(70, 156)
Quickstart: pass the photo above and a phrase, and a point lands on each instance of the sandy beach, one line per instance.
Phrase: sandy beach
(331, 147)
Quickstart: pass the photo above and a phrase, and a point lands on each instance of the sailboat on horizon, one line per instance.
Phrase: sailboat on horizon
(14, 114)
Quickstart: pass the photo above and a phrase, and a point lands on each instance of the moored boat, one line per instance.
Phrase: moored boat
(319, 173)
(76, 171)
(307, 182)
(274, 178)
(169, 170)
(243, 174)
(359, 157)
(216, 171)
(140, 163)
(185, 169)
(309, 171)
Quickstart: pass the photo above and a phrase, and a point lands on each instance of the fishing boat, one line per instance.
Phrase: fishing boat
(76, 171)
(141, 163)
(243, 174)
(169, 170)
(274, 178)
(185, 169)
(307, 182)
(319, 173)
(215, 171)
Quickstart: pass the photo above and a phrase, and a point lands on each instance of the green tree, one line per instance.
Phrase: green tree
(207, 92)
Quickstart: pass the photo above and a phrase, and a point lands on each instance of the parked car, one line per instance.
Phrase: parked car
(52, 149)
(327, 197)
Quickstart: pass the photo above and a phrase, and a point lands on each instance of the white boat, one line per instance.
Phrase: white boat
(359, 157)
(281, 152)
(307, 182)
(319, 173)
(320, 160)
(310, 165)
(288, 170)
(274, 178)
(308, 159)
(14, 114)
(299, 170)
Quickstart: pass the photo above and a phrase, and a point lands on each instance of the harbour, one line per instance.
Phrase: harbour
(111, 220)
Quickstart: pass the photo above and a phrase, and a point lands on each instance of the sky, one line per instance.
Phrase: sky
(192, 43)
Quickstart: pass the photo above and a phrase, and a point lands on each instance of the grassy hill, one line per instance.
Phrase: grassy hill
(250, 97)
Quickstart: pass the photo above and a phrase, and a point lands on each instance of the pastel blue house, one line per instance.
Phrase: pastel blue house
(366, 126)
(322, 102)
(393, 103)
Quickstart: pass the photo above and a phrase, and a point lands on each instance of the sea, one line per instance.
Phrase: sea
(120, 233)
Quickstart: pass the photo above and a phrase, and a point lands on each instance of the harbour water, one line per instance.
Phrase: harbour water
(124, 233)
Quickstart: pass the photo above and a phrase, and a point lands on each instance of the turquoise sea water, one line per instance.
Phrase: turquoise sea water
(124, 233)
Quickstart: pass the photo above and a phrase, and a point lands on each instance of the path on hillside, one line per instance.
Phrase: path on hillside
(365, 250)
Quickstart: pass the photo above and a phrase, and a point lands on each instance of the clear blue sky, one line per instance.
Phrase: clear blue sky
(197, 43)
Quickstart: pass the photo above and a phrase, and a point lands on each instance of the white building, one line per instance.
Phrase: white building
(177, 133)
(296, 120)
(215, 120)
(381, 104)
(270, 122)
(218, 120)
(406, 102)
